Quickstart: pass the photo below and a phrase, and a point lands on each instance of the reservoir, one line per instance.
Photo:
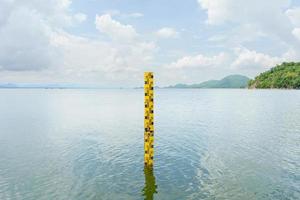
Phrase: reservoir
(209, 144)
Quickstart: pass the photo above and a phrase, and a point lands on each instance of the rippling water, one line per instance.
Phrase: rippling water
(209, 144)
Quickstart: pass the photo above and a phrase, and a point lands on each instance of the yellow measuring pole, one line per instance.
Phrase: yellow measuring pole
(149, 120)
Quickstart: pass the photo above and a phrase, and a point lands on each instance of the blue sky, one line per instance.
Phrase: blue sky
(112, 42)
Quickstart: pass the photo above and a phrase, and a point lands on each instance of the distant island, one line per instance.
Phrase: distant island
(231, 81)
(284, 76)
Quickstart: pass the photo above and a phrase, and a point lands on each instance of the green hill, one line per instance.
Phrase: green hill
(286, 75)
(232, 81)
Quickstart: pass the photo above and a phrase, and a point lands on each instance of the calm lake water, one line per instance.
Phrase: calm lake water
(209, 144)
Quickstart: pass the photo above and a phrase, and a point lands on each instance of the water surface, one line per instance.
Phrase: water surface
(209, 144)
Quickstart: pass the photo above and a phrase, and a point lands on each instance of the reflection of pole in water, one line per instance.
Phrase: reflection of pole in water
(150, 185)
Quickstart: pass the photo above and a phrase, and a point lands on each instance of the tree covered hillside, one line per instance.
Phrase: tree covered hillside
(286, 75)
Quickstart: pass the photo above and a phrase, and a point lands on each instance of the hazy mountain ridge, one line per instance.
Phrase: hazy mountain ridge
(231, 81)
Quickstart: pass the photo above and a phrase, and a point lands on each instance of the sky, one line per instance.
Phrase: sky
(110, 43)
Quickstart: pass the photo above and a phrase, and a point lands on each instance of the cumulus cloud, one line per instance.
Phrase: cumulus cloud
(198, 61)
(91, 59)
(167, 32)
(220, 11)
(35, 44)
(97, 55)
(25, 41)
(26, 29)
(294, 15)
(266, 16)
(252, 59)
(114, 29)
(55, 12)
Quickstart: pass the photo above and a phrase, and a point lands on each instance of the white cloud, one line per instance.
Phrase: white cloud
(291, 55)
(294, 15)
(241, 60)
(118, 13)
(167, 32)
(266, 16)
(248, 59)
(296, 33)
(55, 12)
(80, 17)
(25, 41)
(35, 46)
(220, 11)
(115, 29)
(198, 61)
(217, 11)
(136, 15)
(95, 58)
(26, 28)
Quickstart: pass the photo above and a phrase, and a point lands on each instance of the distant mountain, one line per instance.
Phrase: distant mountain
(285, 76)
(231, 81)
